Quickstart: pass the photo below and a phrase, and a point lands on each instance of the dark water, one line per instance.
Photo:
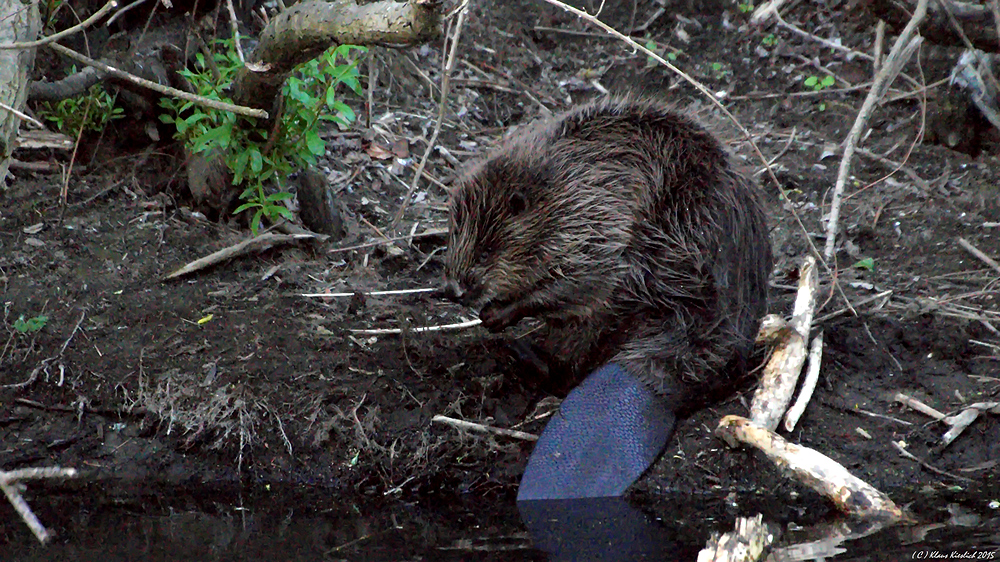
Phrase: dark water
(299, 525)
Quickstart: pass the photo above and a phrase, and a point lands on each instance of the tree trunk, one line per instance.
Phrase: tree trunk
(19, 21)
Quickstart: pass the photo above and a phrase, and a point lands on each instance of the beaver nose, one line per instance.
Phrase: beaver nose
(452, 290)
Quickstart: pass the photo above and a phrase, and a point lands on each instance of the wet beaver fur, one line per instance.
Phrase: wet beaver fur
(625, 228)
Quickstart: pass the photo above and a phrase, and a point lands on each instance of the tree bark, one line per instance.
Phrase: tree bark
(19, 21)
(304, 31)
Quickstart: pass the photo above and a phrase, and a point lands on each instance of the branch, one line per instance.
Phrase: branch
(165, 90)
(892, 65)
(112, 4)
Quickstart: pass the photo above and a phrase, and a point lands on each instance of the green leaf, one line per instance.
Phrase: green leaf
(827, 82)
(255, 222)
(315, 144)
(214, 137)
(279, 196)
(811, 82)
(239, 166)
(245, 206)
(867, 263)
(31, 325)
(345, 110)
(256, 163)
(279, 211)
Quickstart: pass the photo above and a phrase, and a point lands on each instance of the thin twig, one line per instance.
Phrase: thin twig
(388, 240)
(878, 85)
(368, 294)
(125, 10)
(8, 484)
(21, 115)
(471, 426)
(438, 328)
(445, 80)
(254, 244)
(234, 27)
(64, 192)
(165, 90)
(112, 4)
(979, 254)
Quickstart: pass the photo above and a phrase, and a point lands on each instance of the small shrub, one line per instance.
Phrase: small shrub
(30, 325)
(310, 97)
(816, 83)
(68, 115)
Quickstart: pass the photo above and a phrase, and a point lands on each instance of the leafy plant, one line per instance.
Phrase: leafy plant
(68, 115)
(310, 95)
(745, 7)
(818, 84)
(769, 40)
(719, 70)
(30, 325)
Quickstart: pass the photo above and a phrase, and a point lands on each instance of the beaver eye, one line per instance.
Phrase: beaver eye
(518, 203)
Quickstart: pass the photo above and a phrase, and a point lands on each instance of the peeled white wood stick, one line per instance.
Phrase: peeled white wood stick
(782, 371)
(369, 293)
(812, 468)
(964, 419)
(918, 406)
(808, 385)
(746, 543)
(471, 426)
(438, 328)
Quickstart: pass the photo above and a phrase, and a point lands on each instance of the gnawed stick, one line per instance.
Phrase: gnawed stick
(782, 372)
(812, 468)
(470, 426)
(437, 328)
(958, 422)
(255, 244)
(808, 385)
(8, 483)
(748, 541)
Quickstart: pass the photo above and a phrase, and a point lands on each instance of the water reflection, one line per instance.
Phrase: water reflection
(595, 529)
(181, 526)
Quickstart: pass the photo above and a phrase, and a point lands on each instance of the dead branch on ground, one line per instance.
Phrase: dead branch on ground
(256, 244)
(12, 486)
(900, 53)
(957, 422)
(782, 371)
(814, 469)
(478, 427)
(112, 4)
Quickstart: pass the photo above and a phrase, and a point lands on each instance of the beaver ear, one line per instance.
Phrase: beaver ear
(518, 203)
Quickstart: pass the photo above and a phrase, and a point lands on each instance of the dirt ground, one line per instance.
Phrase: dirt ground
(231, 376)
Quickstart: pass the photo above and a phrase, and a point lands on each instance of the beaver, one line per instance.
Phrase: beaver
(625, 227)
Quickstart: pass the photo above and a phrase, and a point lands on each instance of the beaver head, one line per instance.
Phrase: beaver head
(532, 233)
